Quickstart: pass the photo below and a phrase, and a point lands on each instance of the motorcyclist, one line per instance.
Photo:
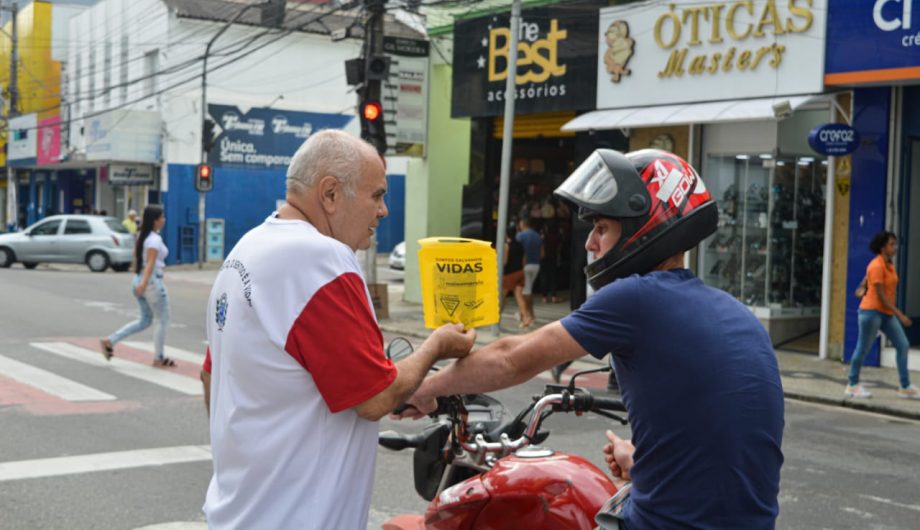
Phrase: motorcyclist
(697, 370)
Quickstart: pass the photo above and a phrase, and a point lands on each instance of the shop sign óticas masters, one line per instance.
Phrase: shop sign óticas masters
(684, 51)
(557, 54)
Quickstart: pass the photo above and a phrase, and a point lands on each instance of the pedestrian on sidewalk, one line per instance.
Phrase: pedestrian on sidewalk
(877, 312)
(299, 376)
(513, 273)
(533, 252)
(148, 288)
(130, 222)
(552, 259)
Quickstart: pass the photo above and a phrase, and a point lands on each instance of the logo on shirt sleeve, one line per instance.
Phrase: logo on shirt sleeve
(220, 314)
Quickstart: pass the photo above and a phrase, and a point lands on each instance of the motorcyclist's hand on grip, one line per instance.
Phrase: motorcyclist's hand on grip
(453, 342)
(414, 410)
(619, 456)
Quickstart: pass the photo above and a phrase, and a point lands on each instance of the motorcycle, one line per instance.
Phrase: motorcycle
(481, 469)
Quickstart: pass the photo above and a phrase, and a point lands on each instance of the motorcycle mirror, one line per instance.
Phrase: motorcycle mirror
(594, 371)
(399, 348)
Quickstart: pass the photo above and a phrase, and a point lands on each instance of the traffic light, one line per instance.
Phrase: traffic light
(378, 68)
(372, 129)
(207, 135)
(204, 178)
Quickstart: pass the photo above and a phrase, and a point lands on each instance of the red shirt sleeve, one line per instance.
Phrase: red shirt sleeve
(337, 340)
(207, 361)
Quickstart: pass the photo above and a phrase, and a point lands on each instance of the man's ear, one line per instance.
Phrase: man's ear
(330, 193)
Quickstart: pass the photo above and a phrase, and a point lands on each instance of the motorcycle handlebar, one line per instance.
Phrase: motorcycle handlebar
(580, 402)
(440, 411)
(602, 403)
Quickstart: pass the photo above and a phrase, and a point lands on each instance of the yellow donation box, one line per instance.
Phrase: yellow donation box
(459, 281)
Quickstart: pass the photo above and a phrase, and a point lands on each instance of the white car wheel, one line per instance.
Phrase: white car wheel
(97, 261)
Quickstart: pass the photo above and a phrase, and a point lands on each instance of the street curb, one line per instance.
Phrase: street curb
(863, 406)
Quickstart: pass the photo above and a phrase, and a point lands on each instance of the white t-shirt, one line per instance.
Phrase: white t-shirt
(155, 242)
(294, 345)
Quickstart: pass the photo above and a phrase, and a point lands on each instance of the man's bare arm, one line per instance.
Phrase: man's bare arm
(446, 342)
(504, 363)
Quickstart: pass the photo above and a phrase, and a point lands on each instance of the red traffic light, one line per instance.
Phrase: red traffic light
(371, 110)
(203, 178)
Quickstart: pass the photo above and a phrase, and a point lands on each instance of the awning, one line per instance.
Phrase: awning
(687, 113)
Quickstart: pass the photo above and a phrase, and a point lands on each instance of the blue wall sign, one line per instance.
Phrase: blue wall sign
(833, 139)
(264, 138)
(872, 41)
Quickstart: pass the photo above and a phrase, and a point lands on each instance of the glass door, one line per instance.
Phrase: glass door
(734, 258)
(909, 241)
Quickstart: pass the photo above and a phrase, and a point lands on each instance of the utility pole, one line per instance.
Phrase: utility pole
(11, 184)
(507, 141)
(204, 117)
(373, 91)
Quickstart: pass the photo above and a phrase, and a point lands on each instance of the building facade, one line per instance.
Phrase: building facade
(132, 111)
(873, 53)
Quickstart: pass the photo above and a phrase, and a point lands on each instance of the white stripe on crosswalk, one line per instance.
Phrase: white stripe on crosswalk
(48, 382)
(70, 465)
(175, 353)
(157, 376)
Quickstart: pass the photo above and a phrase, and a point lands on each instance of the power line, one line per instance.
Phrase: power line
(195, 77)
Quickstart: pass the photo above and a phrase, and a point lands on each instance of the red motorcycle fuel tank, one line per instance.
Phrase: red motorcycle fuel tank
(458, 506)
(535, 489)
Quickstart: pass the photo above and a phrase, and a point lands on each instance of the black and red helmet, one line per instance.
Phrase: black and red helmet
(660, 200)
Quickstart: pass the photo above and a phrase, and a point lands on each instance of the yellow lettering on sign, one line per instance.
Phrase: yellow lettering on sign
(769, 17)
(675, 28)
(711, 64)
(742, 20)
(730, 20)
(693, 14)
(802, 12)
(744, 60)
(675, 66)
(698, 65)
(542, 54)
(715, 36)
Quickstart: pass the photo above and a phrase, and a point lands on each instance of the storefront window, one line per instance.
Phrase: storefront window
(766, 251)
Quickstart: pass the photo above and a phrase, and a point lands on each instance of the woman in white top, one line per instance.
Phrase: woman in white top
(150, 257)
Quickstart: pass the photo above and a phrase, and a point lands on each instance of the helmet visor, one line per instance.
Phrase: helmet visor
(591, 184)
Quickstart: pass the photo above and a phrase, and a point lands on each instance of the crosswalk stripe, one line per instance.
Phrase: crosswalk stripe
(51, 383)
(175, 353)
(157, 376)
(70, 465)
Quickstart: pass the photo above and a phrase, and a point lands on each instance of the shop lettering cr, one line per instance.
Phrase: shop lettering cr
(891, 24)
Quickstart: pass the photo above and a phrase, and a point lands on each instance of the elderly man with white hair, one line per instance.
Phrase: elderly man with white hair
(130, 222)
(299, 376)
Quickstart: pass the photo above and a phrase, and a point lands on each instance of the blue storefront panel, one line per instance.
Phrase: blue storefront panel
(868, 188)
(872, 41)
(243, 198)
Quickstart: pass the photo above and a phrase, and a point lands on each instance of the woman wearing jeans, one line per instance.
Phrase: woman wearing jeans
(878, 312)
(150, 257)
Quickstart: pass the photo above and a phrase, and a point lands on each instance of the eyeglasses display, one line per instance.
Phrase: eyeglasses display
(767, 251)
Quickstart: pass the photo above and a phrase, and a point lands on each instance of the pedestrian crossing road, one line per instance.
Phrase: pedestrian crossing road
(27, 385)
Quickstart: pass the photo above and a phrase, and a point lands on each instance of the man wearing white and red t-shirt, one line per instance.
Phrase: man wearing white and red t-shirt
(299, 377)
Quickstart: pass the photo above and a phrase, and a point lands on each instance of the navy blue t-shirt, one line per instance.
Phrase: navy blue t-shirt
(531, 242)
(699, 377)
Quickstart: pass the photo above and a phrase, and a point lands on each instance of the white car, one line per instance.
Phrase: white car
(398, 257)
(99, 242)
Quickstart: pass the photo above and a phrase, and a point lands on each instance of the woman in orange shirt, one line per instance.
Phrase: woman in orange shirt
(878, 312)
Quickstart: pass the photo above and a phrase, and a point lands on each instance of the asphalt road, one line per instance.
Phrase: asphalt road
(139, 459)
